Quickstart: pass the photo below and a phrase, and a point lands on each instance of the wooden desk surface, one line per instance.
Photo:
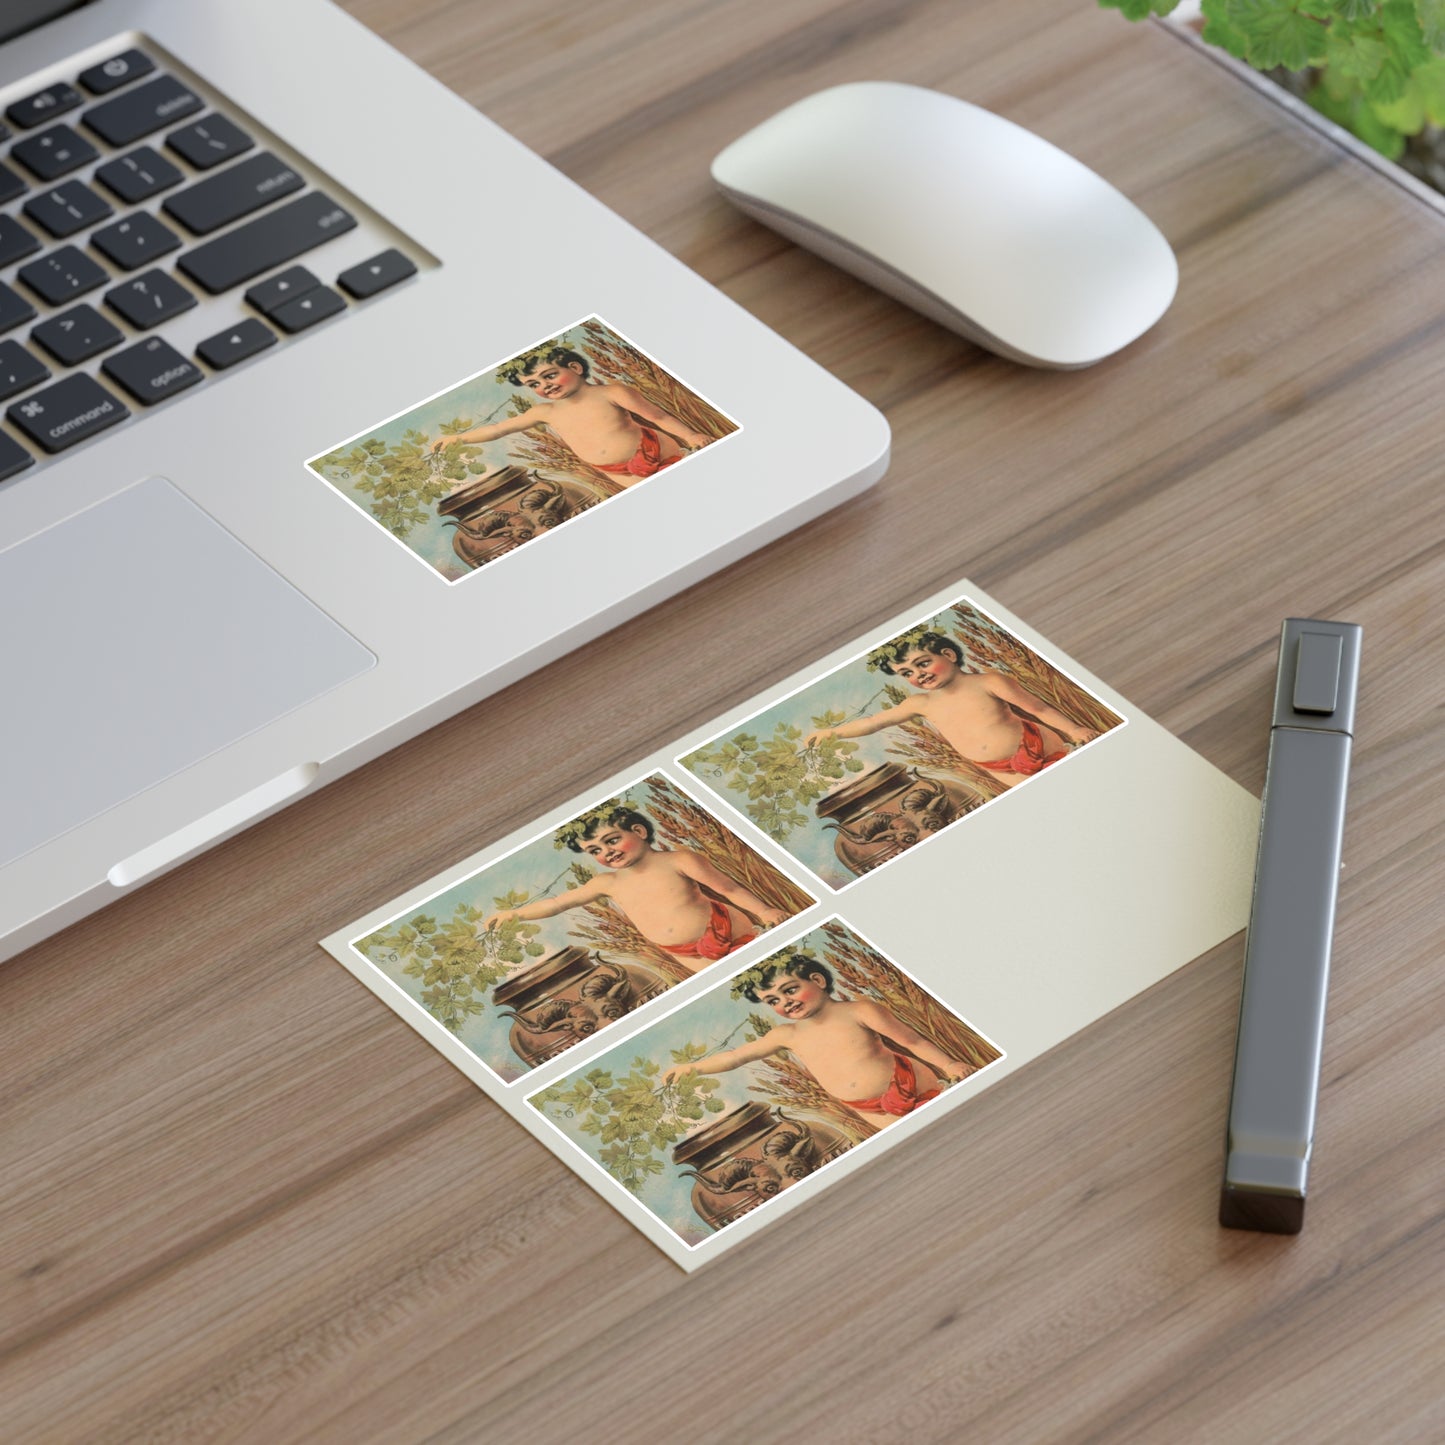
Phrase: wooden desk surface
(242, 1201)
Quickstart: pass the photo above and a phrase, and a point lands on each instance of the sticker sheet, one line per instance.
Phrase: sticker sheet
(523, 446)
(762, 957)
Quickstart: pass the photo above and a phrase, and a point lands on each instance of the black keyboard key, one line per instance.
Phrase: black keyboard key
(376, 274)
(285, 286)
(266, 242)
(44, 105)
(53, 153)
(72, 410)
(307, 310)
(149, 299)
(19, 369)
(14, 308)
(236, 343)
(135, 241)
(206, 143)
(68, 208)
(140, 111)
(139, 175)
(13, 457)
(119, 70)
(218, 200)
(11, 184)
(152, 370)
(77, 335)
(62, 275)
(15, 241)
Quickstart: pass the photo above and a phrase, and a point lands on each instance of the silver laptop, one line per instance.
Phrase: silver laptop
(323, 406)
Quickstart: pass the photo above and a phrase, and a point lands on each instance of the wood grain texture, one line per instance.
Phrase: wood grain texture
(242, 1201)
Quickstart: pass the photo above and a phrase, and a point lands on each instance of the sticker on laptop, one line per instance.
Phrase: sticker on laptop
(553, 943)
(754, 1087)
(899, 743)
(522, 447)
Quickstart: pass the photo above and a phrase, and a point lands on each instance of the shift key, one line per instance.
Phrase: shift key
(266, 242)
(235, 192)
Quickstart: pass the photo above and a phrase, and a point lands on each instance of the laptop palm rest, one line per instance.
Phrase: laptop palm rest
(194, 643)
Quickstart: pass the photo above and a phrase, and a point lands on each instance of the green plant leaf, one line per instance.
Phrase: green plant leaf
(1378, 134)
(1402, 29)
(1355, 56)
(1359, 118)
(1390, 83)
(1276, 33)
(1431, 17)
(1406, 115)
(1220, 30)
(1140, 9)
(1428, 81)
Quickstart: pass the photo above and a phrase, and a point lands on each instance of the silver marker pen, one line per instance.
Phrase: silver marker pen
(1291, 925)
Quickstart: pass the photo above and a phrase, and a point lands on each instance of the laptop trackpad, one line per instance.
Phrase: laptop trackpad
(140, 637)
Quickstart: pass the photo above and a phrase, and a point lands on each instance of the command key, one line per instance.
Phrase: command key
(68, 412)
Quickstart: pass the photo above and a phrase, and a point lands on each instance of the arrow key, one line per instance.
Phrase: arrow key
(284, 286)
(235, 343)
(307, 310)
(376, 274)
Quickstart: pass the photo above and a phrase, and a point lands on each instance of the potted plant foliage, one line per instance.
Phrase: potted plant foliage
(1376, 68)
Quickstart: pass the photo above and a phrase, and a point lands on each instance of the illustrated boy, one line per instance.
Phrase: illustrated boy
(977, 712)
(597, 420)
(846, 1045)
(660, 891)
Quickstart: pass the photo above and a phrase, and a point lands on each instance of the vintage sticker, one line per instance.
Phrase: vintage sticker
(753, 1088)
(907, 738)
(575, 929)
(522, 447)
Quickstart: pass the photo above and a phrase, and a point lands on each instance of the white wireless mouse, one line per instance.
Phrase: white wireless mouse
(972, 220)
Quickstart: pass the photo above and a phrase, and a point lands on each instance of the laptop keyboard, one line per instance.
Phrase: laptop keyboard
(129, 201)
